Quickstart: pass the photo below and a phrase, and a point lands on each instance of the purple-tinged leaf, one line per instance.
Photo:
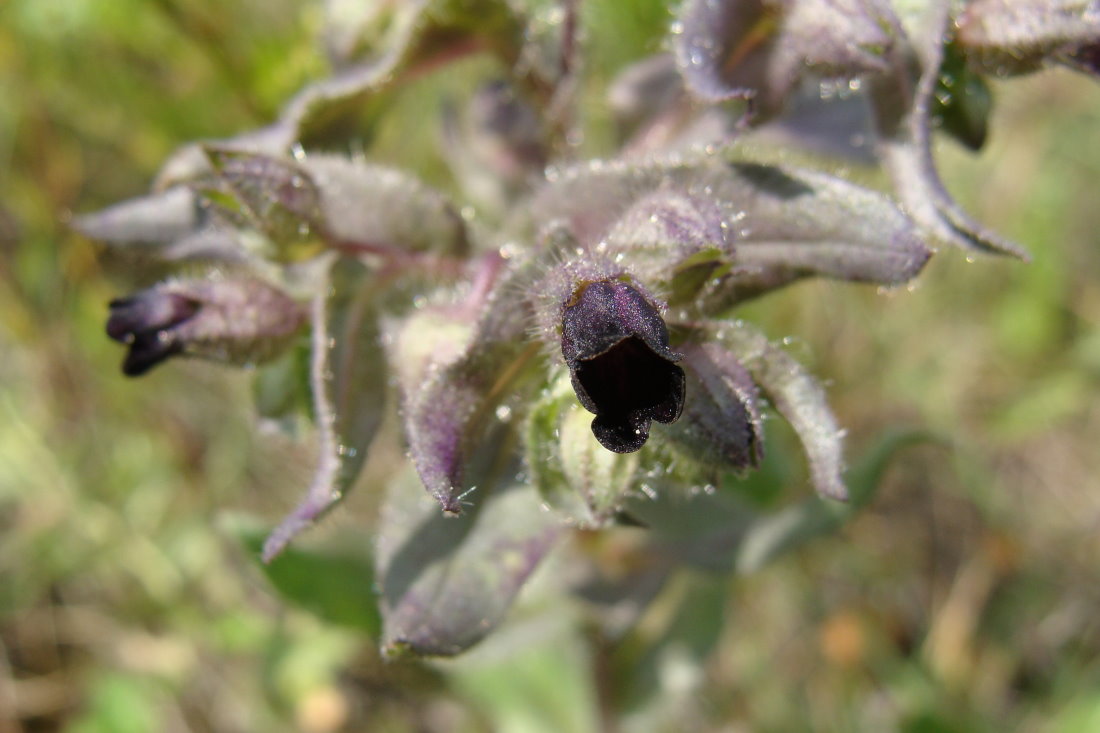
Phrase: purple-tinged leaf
(1008, 37)
(446, 416)
(667, 232)
(777, 223)
(192, 162)
(446, 582)
(348, 381)
(902, 106)
(721, 422)
(759, 49)
(797, 396)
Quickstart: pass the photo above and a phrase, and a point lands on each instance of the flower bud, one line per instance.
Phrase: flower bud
(236, 321)
(721, 420)
(615, 344)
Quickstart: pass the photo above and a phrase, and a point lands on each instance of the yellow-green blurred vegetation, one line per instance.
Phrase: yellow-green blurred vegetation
(964, 598)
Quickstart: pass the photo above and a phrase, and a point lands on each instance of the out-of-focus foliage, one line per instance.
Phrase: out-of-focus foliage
(961, 598)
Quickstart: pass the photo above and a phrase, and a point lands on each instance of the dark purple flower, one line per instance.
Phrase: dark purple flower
(238, 321)
(616, 346)
(146, 322)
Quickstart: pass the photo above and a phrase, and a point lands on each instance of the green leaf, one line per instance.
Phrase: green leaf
(694, 526)
(336, 585)
(280, 388)
(775, 534)
(962, 101)
(539, 685)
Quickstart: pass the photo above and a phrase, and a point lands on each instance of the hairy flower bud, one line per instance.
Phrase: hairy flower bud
(237, 321)
(721, 420)
(615, 344)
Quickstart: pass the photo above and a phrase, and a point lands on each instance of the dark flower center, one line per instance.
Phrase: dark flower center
(630, 385)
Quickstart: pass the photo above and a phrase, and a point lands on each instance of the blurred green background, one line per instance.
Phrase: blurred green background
(965, 598)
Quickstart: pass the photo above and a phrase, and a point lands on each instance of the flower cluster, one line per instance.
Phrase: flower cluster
(559, 332)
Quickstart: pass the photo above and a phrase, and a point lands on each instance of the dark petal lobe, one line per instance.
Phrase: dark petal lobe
(149, 349)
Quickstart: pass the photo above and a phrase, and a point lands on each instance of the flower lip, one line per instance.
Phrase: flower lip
(615, 344)
(145, 322)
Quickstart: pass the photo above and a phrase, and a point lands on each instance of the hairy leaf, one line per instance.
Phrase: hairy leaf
(348, 379)
(274, 195)
(902, 104)
(721, 422)
(446, 581)
(798, 397)
(170, 225)
(373, 209)
(446, 417)
(781, 223)
(375, 50)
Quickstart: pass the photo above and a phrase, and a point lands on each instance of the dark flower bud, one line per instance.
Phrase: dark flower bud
(615, 344)
(721, 421)
(237, 321)
(146, 321)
